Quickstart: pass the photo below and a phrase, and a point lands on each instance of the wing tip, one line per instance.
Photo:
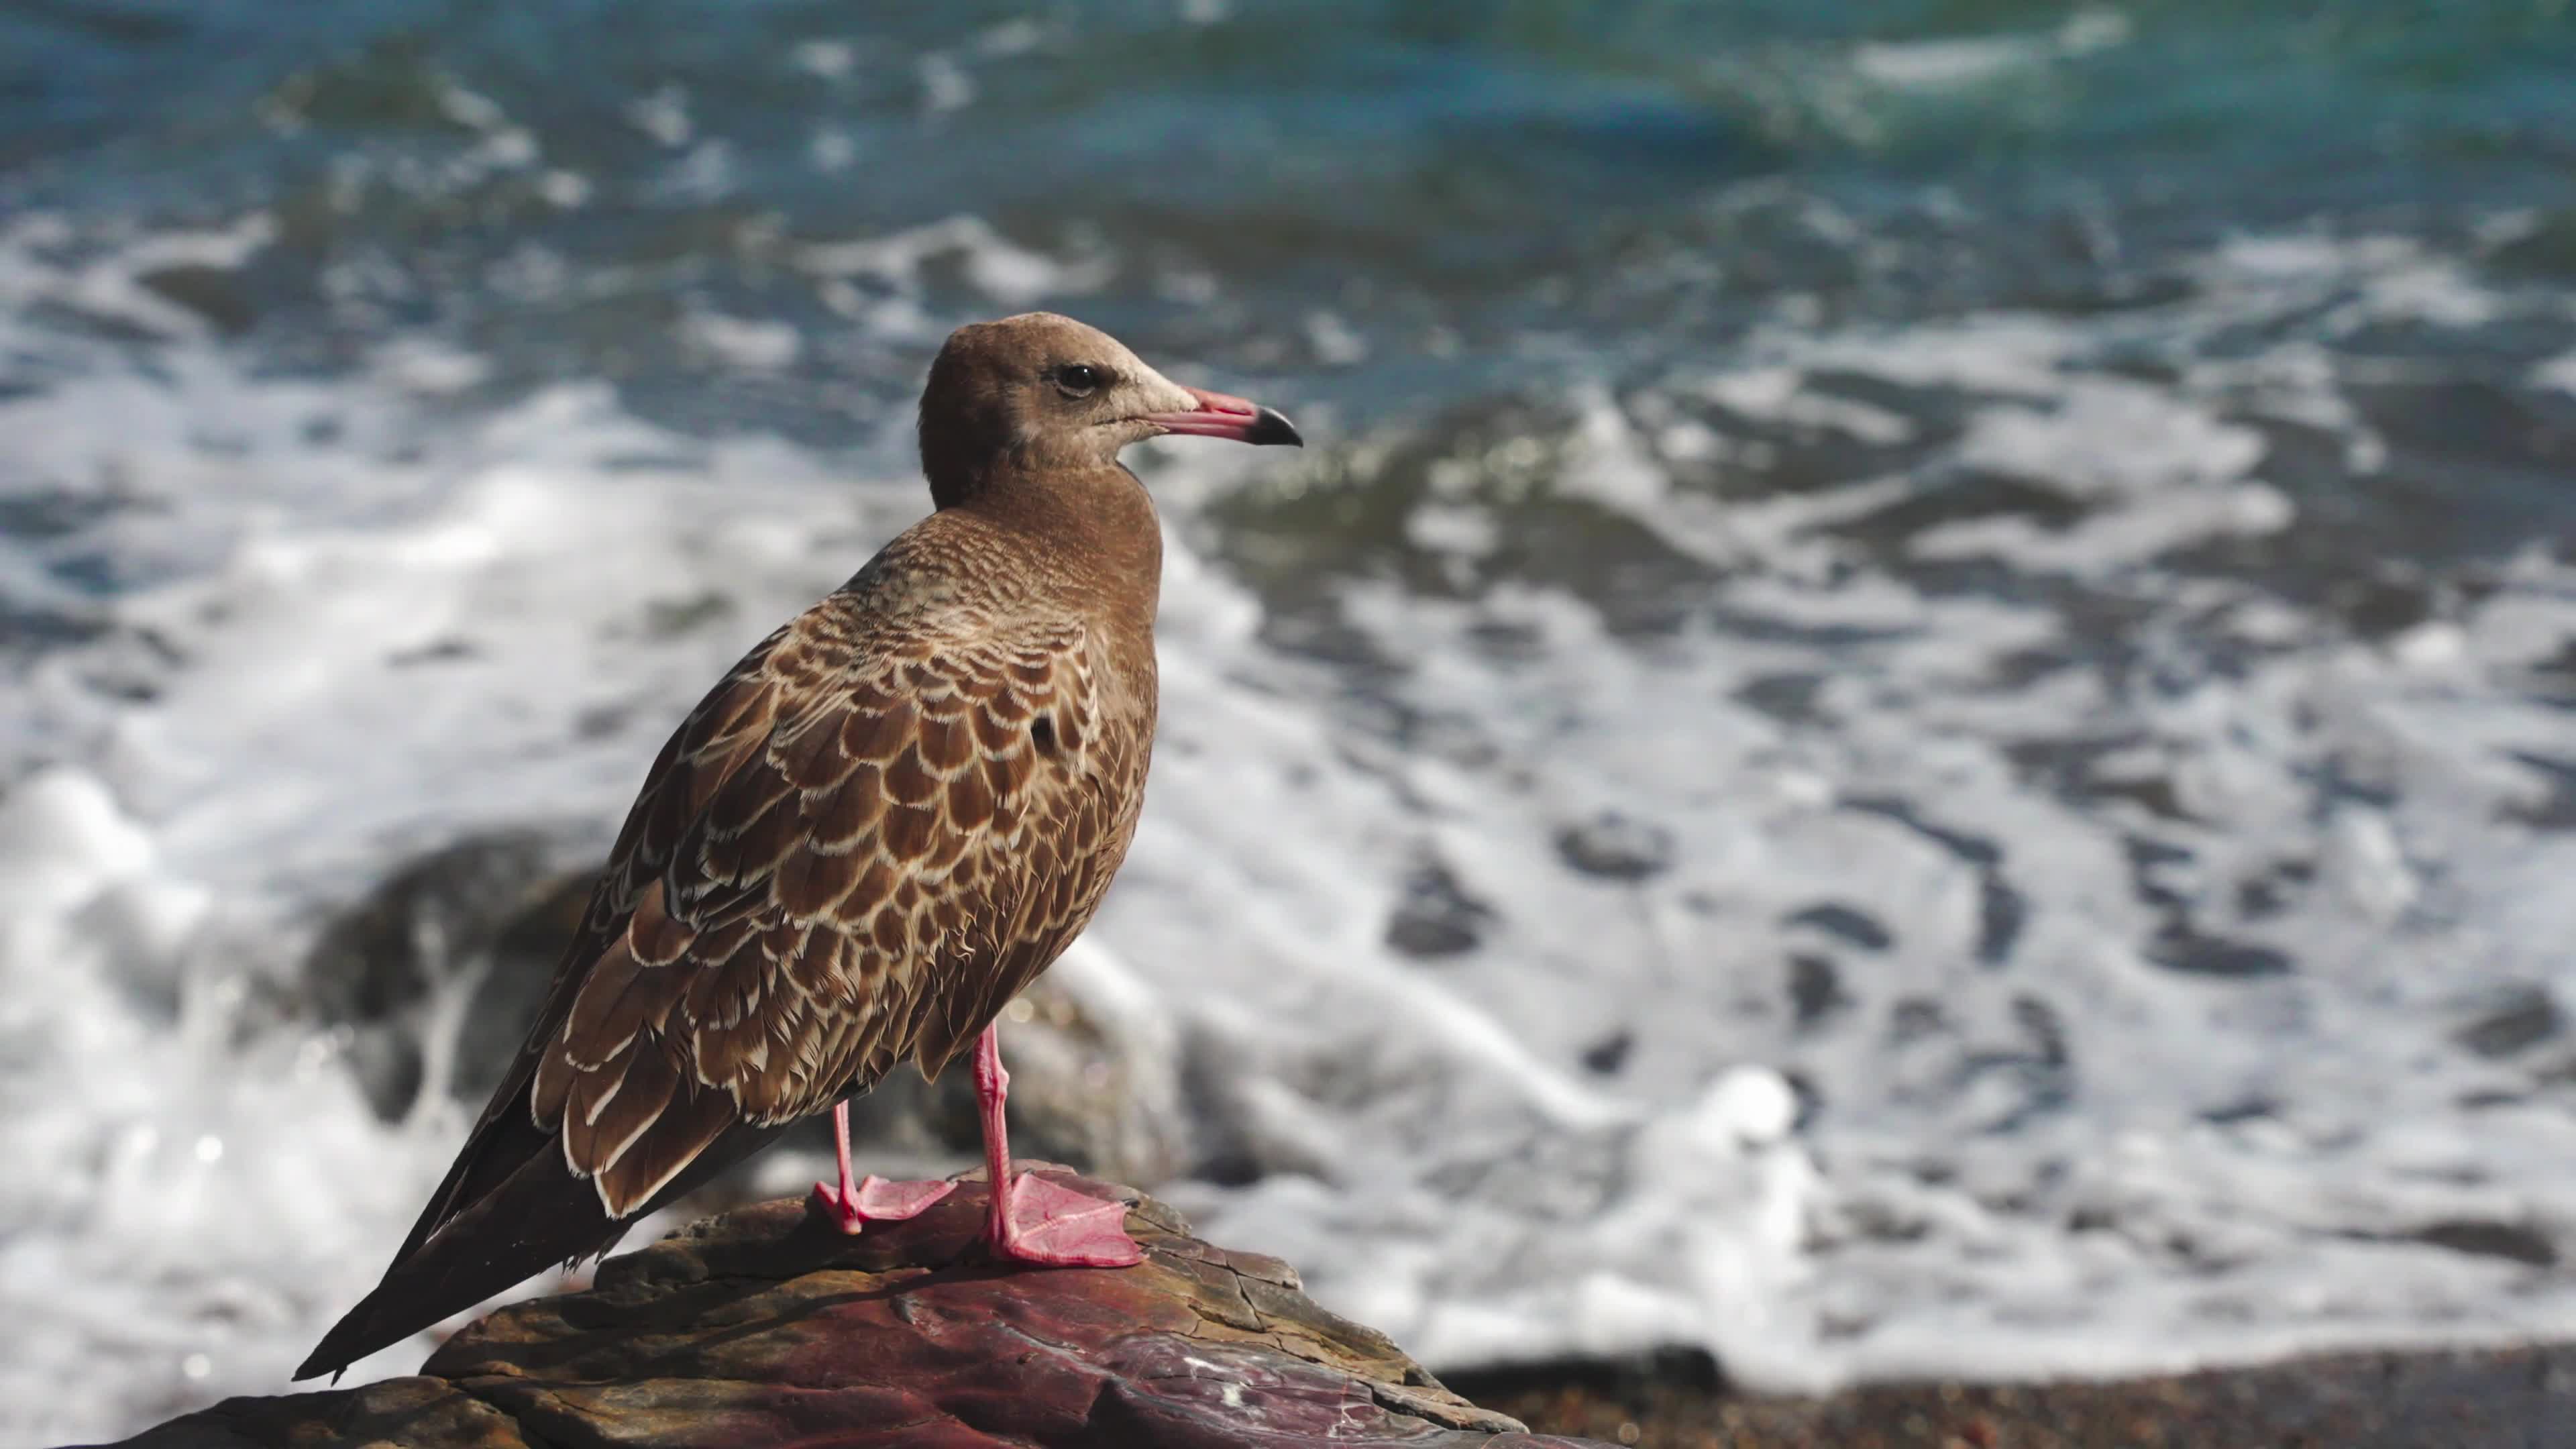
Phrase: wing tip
(348, 1341)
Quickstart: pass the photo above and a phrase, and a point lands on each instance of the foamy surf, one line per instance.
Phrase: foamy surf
(1946, 887)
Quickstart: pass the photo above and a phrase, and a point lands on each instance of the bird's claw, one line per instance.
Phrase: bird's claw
(1051, 1225)
(874, 1200)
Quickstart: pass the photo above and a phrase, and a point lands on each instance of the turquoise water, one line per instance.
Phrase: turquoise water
(1481, 201)
(1491, 170)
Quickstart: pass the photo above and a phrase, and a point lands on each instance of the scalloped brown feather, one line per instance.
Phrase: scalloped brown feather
(878, 830)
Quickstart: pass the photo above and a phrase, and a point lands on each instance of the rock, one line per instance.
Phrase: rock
(2498, 1398)
(759, 1327)
(1436, 917)
(1815, 988)
(1613, 846)
(1606, 1056)
(215, 293)
(446, 961)
(1848, 924)
(2181, 947)
(2478, 1237)
(2512, 1019)
(416, 1413)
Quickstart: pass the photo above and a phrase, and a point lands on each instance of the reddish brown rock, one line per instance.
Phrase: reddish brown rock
(759, 1328)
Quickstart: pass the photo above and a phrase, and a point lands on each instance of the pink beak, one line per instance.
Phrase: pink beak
(1220, 415)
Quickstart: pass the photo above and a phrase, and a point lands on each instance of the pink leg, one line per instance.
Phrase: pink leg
(1034, 1220)
(872, 1199)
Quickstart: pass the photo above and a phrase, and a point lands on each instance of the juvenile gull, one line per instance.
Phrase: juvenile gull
(888, 818)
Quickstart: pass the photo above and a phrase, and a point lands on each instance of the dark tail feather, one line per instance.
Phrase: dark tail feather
(534, 1215)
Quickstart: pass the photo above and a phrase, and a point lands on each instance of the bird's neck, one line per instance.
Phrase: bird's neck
(1098, 520)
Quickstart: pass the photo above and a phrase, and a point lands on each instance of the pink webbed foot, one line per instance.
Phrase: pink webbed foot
(873, 1200)
(1051, 1225)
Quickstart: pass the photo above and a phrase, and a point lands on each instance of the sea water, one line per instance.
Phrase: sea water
(1912, 712)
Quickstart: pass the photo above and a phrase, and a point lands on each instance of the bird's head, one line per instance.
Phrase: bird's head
(1041, 392)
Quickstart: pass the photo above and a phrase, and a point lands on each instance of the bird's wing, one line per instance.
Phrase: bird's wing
(862, 844)
(857, 848)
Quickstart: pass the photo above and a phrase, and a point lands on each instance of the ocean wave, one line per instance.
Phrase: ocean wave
(1895, 847)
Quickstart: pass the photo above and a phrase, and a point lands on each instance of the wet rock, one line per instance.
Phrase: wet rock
(1615, 847)
(1808, 1096)
(2515, 1018)
(2380, 607)
(759, 1328)
(2044, 1029)
(1790, 698)
(2484, 1239)
(2269, 892)
(2240, 1109)
(1606, 1056)
(2181, 948)
(416, 1413)
(2556, 807)
(1436, 917)
(2001, 913)
(670, 618)
(454, 949)
(2160, 872)
(213, 293)
(379, 957)
(1845, 923)
(2512, 1398)
(1912, 1018)
(1815, 988)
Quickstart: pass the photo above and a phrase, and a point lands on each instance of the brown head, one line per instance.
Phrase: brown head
(1038, 394)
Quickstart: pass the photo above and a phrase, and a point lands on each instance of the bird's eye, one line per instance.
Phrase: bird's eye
(1077, 379)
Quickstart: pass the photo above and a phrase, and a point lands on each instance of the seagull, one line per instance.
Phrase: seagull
(878, 829)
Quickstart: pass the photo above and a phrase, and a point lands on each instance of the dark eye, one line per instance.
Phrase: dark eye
(1077, 379)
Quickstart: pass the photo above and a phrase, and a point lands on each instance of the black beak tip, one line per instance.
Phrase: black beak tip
(1271, 427)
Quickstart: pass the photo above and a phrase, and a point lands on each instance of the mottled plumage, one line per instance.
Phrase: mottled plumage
(875, 833)
(882, 824)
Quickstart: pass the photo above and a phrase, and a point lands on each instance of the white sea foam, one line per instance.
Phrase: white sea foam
(1011, 275)
(1955, 62)
(2027, 1146)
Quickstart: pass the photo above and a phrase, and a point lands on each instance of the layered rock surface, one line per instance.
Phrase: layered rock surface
(758, 1328)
